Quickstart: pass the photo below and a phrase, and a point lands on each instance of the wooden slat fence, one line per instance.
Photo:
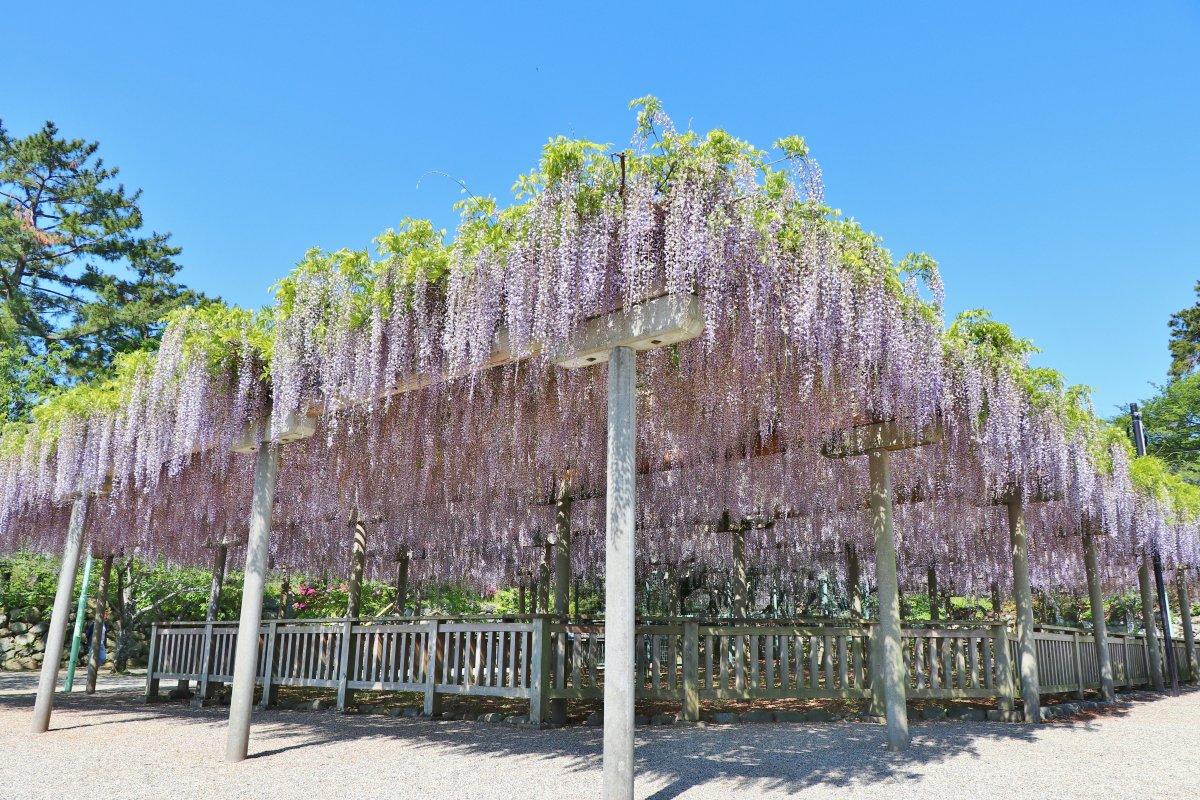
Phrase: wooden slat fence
(540, 658)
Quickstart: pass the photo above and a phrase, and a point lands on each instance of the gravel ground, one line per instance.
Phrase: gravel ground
(112, 743)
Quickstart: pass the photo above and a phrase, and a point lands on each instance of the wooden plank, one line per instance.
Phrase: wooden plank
(739, 649)
(755, 643)
(769, 660)
(672, 662)
(814, 675)
(784, 662)
(948, 677)
(843, 667)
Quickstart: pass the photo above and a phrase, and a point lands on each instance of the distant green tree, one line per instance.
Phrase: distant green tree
(1172, 423)
(79, 280)
(1185, 338)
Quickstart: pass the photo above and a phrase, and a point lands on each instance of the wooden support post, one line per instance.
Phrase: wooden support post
(690, 711)
(521, 597)
(1185, 616)
(1153, 659)
(853, 581)
(433, 701)
(741, 603)
(1023, 596)
(1079, 691)
(57, 633)
(996, 600)
(152, 665)
(269, 689)
(619, 588)
(539, 679)
(204, 690)
(245, 663)
(1099, 624)
(891, 662)
(562, 584)
(1005, 691)
(889, 678)
(358, 556)
(345, 660)
(562, 551)
(98, 623)
(77, 635)
(877, 704)
(935, 612)
(544, 575)
(402, 557)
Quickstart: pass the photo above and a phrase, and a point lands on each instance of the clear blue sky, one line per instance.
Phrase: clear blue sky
(1047, 154)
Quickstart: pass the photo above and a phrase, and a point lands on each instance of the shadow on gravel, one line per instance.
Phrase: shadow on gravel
(780, 756)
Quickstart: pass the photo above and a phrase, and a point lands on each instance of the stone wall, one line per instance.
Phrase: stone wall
(23, 640)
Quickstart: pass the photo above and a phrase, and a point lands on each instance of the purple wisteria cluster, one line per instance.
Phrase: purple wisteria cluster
(444, 423)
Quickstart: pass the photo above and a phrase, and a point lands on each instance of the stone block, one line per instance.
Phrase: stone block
(492, 716)
(595, 719)
(818, 715)
(967, 714)
(662, 719)
(790, 716)
(933, 712)
(724, 718)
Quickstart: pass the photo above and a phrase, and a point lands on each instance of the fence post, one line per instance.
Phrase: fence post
(878, 707)
(202, 689)
(690, 712)
(433, 702)
(1189, 637)
(269, 690)
(1005, 695)
(344, 662)
(1128, 662)
(539, 678)
(151, 681)
(1078, 665)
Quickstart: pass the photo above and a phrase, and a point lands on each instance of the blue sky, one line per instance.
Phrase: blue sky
(1046, 154)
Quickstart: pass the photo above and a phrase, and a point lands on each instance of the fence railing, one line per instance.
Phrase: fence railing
(542, 659)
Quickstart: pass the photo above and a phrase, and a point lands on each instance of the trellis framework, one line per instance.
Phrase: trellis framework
(445, 412)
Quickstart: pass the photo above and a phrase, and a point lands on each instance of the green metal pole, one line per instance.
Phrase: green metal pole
(80, 612)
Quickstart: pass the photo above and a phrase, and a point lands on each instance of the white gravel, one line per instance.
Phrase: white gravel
(112, 745)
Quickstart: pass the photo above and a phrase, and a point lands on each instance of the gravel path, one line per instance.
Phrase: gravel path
(114, 744)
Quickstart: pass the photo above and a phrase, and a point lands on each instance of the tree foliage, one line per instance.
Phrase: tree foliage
(1185, 339)
(80, 280)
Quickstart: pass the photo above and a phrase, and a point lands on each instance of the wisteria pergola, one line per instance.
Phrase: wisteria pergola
(651, 342)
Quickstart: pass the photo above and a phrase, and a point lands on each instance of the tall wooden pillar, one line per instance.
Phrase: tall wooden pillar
(562, 584)
(245, 662)
(877, 441)
(57, 634)
(1027, 667)
(741, 601)
(358, 558)
(854, 581)
(619, 583)
(1154, 659)
(402, 558)
(98, 622)
(1099, 623)
(935, 611)
(1185, 616)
